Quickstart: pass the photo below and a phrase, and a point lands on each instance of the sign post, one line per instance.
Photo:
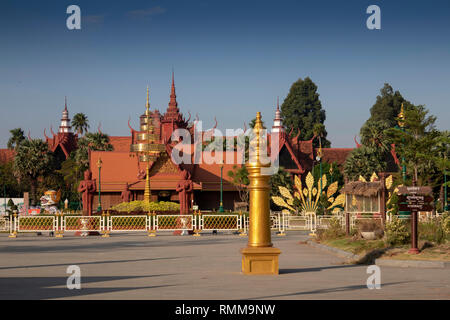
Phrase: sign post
(415, 199)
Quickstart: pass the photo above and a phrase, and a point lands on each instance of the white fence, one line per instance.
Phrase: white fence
(152, 223)
(107, 224)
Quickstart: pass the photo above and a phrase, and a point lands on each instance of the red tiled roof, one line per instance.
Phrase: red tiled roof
(121, 144)
(6, 155)
(338, 155)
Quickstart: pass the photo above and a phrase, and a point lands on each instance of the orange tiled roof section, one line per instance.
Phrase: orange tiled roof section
(6, 155)
(121, 144)
(338, 155)
(121, 167)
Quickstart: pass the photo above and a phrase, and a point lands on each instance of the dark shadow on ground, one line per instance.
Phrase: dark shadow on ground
(328, 290)
(316, 269)
(370, 257)
(87, 263)
(17, 288)
(98, 244)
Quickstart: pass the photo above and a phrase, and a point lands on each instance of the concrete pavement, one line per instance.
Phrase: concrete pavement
(134, 266)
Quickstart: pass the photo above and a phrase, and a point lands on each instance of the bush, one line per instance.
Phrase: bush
(144, 206)
(432, 231)
(436, 231)
(334, 230)
(396, 232)
(446, 223)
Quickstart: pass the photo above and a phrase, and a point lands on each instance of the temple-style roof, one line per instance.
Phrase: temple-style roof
(120, 144)
(338, 155)
(360, 188)
(6, 155)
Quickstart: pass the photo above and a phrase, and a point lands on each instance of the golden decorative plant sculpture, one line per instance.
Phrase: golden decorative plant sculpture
(309, 196)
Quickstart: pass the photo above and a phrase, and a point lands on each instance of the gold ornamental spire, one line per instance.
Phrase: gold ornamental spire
(259, 257)
(401, 117)
(147, 104)
(257, 131)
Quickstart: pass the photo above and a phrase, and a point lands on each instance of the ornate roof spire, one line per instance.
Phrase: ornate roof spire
(278, 121)
(65, 121)
(147, 104)
(172, 112)
(173, 97)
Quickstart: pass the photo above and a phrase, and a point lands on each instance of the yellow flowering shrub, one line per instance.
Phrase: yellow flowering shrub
(144, 206)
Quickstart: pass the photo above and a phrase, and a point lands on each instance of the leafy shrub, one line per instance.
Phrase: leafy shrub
(144, 206)
(446, 223)
(334, 230)
(396, 232)
(436, 231)
(432, 231)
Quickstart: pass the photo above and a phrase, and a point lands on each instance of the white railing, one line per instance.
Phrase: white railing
(4, 224)
(220, 222)
(152, 223)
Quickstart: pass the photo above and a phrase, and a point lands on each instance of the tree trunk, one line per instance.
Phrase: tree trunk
(415, 175)
(33, 187)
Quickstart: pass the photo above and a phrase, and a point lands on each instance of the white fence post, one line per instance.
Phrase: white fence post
(12, 226)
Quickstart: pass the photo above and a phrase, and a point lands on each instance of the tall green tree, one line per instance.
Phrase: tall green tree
(373, 135)
(363, 161)
(17, 137)
(91, 141)
(417, 142)
(302, 109)
(9, 183)
(239, 174)
(32, 161)
(80, 123)
(387, 106)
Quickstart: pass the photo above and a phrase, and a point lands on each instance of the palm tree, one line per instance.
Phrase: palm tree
(319, 131)
(362, 161)
(373, 135)
(99, 141)
(80, 123)
(17, 137)
(32, 161)
(91, 141)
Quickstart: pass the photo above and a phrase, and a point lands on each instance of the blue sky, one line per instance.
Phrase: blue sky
(231, 59)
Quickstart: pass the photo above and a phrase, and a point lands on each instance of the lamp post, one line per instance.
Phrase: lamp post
(401, 124)
(221, 189)
(331, 173)
(445, 188)
(99, 165)
(4, 195)
(319, 158)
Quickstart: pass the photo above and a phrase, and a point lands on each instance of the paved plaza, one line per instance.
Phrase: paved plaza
(134, 266)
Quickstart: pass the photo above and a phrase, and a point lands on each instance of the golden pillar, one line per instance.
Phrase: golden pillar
(259, 257)
(147, 193)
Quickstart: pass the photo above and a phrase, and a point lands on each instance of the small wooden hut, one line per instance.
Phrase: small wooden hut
(364, 197)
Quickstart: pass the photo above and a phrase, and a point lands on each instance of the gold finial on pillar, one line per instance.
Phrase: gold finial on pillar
(259, 257)
(147, 105)
(147, 192)
(401, 117)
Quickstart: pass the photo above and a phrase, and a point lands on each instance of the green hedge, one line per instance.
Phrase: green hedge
(144, 206)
